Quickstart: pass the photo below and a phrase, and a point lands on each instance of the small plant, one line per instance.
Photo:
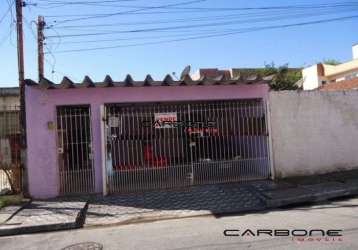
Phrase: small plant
(13, 176)
(333, 62)
(10, 200)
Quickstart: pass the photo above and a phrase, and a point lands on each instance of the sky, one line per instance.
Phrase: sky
(162, 42)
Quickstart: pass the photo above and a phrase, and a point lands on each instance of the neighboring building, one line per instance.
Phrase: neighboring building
(111, 137)
(214, 73)
(211, 73)
(9, 111)
(341, 85)
(236, 73)
(9, 97)
(321, 74)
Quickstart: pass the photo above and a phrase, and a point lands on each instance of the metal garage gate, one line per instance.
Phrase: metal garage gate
(166, 145)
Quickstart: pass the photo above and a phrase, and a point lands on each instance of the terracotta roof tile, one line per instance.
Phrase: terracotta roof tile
(342, 85)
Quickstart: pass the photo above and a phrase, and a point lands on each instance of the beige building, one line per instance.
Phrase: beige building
(321, 74)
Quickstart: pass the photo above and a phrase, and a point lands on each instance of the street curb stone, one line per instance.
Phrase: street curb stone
(9, 230)
(37, 229)
(290, 196)
(311, 193)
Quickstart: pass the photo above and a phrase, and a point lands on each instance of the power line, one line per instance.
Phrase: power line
(132, 38)
(182, 33)
(185, 27)
(102, 4)
(10, 3)
(56, 4)
(8, 35)
(205, 18)
(89, 2)
(132, 11)
(7, 11)
(239, 31)
(200, 10)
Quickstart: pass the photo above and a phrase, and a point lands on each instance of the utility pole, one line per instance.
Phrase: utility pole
(20, 62)
(40, 45)
(22, 119)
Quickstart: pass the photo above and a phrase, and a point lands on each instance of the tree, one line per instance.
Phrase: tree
(283, 78)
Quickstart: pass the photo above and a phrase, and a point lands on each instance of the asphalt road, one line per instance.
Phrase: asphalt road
(207, 232)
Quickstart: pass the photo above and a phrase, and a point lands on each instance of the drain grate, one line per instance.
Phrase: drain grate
(84, 246)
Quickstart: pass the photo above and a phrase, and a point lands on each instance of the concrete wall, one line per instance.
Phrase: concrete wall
(313, 132)
(41, 105)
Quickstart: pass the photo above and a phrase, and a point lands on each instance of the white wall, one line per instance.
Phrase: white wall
(196, 75)
(311, 79)
(313, 132)
(355, 51)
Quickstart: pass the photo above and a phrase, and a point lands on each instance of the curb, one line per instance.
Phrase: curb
(277, 203)
(149, 219)
(37, 229)
(81, 216)
(78, 223)
(349, 190)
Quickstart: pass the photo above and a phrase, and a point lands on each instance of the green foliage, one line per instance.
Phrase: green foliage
(279, 78)
(284, 78)
(8, 200)
(331, 62)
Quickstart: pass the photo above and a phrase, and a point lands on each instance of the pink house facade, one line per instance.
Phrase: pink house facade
(45, 156)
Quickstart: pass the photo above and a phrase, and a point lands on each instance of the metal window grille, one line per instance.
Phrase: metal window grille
(10, 148)
(75, 149)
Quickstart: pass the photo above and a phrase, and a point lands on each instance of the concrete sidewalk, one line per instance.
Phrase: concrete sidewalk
(219, 199)
(8, 212)
(305, 189)
(42, 216)
(207, 232)
(194, 201)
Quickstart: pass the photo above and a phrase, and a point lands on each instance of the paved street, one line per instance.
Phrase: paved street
(207, 232)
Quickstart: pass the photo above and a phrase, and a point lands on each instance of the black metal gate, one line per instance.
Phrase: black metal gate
(75, 149)
(166, 145)
(11, 146)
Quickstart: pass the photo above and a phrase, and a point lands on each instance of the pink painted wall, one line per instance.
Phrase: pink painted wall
(43, 177)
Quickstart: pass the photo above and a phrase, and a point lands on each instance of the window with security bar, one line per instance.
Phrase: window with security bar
(10, 148)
